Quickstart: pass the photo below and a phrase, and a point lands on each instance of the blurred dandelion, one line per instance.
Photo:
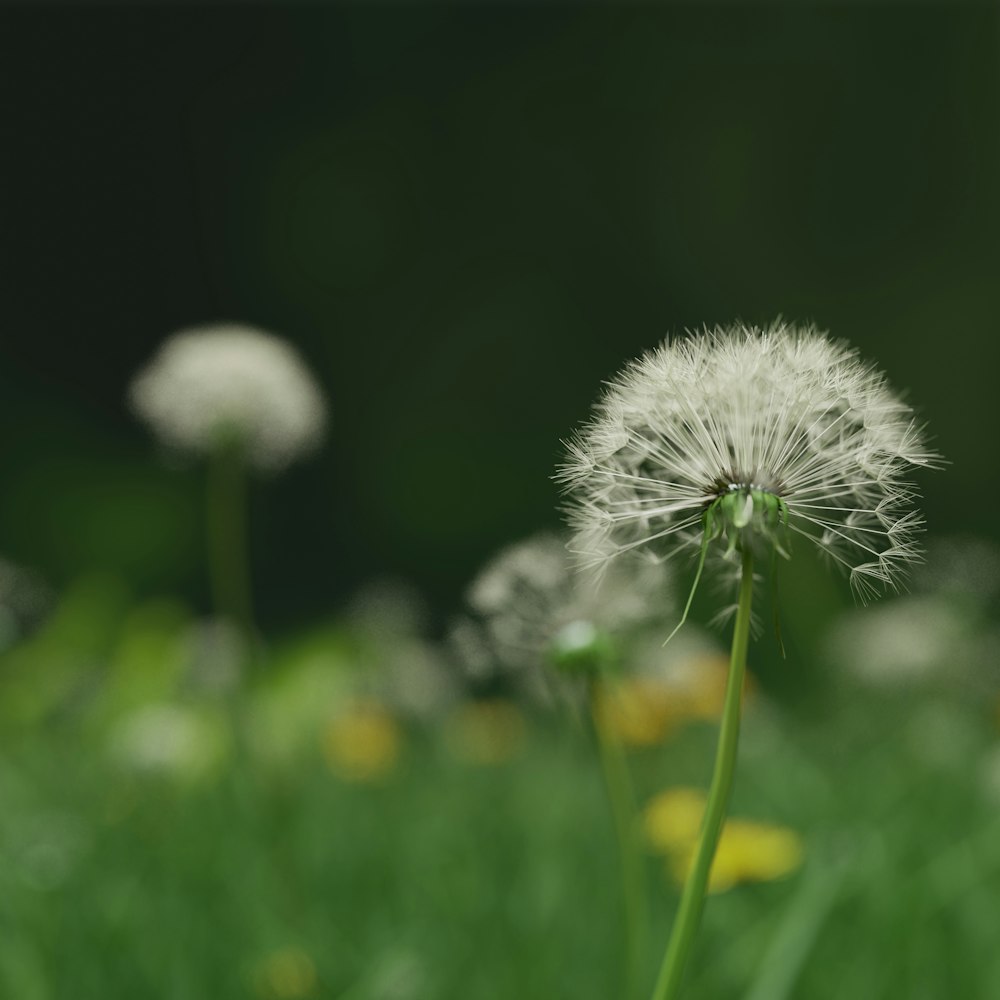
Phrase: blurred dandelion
(535, 614)
(730, 444)
(942, 635)
(748, 851)
(238, 396)
(561, 635)
(639, 712)
(362, 743)
(169, 739)
(211, 387)
(286, 974)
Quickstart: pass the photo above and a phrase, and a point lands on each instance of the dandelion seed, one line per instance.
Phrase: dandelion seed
(211, 384)
(751, 434)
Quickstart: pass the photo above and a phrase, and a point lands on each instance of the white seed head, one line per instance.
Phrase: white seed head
(779, 412)
(530, 599)
(210, 384)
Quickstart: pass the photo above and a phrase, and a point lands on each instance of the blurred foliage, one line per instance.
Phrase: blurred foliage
(172, 828)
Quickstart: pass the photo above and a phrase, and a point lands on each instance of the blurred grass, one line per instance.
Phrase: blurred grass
(261, 873)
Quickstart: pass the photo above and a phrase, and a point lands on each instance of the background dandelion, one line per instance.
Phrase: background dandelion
(237, 396)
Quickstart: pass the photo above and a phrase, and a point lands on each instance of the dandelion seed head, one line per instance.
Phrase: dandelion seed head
(532, 607)
(210, 384)
(777, 432)
(531, 597)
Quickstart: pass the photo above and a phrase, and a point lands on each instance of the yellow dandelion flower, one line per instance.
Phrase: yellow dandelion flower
(640, 712)
(362, 743)
(673, 818)
(704, 686)
(286, 974)
(487, 731)
(748, 851)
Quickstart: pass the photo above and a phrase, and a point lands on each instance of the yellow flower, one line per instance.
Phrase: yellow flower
(286, 974)
(748, 851)
(362, 743)
(673, 818)
(639, 712)
(646, 710)
(704, 687)
(487, 731)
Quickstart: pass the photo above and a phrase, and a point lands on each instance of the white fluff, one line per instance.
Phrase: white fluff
(782, 410)
(210, 383)
(531, 601)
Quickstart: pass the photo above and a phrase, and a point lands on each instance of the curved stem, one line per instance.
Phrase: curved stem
(693, 898)
(618, 784)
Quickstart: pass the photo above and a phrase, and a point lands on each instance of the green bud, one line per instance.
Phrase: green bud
(583, 649)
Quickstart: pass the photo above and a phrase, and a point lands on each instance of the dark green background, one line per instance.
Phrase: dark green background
(466, 218)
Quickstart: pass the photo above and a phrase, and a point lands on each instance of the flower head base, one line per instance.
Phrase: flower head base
(750, 436)
(216, 385)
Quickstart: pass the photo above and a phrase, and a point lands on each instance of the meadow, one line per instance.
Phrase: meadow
(175, 828)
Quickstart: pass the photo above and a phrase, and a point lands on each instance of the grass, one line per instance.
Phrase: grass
(272, 877)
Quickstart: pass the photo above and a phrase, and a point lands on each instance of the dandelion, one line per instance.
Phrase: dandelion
(734, 444)
(751, 435)
(173, 740)
(211, 386)
(942, 632)
(748, 850)
(537, 613)
(563, 634)
(363, 743)
(240, 397)
(286, 974)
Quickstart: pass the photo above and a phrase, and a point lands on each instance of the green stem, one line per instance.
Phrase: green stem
(693, 898)
(229, 563)
(618, 784)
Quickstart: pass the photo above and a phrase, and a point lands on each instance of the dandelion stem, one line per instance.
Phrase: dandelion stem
(693, 897)
(618, 784)
(229, 564)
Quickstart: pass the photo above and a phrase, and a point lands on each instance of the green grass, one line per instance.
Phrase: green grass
(454, 880)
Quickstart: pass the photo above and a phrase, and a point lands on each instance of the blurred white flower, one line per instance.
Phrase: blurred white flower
(164, 738)
(943, 632)
(776, 425)
(211, 385)
(533, 608)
